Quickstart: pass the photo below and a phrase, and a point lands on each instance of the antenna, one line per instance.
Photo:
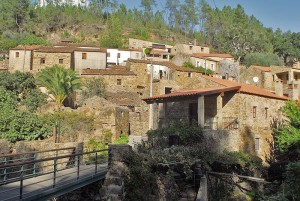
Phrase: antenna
(255, 79)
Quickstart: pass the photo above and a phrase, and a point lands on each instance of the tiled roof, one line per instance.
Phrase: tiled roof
(56, 49)
(263, 68)
(165, 63)
(201, 55)
(67, 49)
(159, 51)
(26, 47)
(202, 91)
(246, 88)
(64, 44)
(106, 72)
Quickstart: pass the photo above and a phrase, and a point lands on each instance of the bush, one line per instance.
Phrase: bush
(93, 87)
(200, 69)
(262, 59)
(293, 180)
(123, 139)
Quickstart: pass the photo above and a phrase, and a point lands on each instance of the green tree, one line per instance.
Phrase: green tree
(59, 82)
(262, 59)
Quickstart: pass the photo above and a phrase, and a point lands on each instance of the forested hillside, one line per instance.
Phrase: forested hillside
(106, 22)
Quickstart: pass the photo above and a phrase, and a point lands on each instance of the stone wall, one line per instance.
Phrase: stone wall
(50, 60)
(94, 60)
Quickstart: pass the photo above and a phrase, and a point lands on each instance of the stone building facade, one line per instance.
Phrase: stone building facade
(188, 49)
(34, 58)
(234, 117)
(282, 80)
(20, 58)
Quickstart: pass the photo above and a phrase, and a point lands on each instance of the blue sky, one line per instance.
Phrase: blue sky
(283, 14)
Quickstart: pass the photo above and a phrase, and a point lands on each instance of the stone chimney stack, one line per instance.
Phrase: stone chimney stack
(293, 91)
(279, 87)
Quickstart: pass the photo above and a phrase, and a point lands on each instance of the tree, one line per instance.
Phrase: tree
(262, 59)
(59, 82)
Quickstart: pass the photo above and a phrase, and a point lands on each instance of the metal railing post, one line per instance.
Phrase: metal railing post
(96, 163)
(21, 182)
(34, 165)
(54, 172)
(78, 165)
(5, 170)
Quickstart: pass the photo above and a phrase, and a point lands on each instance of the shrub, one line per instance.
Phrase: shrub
(93, 87)
(123, 139)
(262, 59)
(200, 69)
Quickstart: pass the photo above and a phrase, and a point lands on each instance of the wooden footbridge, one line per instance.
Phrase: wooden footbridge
(42, 175)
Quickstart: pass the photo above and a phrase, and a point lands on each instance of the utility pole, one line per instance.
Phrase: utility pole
(151, 94)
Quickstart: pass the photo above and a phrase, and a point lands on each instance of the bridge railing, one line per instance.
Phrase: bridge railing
(33, 168)
(8, 175)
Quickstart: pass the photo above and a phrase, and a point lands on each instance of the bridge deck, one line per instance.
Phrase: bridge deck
(41, 187)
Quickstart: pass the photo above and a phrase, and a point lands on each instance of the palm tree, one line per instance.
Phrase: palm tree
(59, 82)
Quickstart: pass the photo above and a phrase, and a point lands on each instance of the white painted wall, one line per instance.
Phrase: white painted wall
(157, 69)
(112, 56)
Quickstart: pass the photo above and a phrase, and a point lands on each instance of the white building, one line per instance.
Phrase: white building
(81, 3)
(119, 57)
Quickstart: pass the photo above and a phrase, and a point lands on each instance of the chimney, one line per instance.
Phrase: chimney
(293, 91)
(278, 87)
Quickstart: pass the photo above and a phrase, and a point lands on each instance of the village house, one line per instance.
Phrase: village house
(21, 58)
(188, 49)
(119, 57)
(209, 60)
(76, 57)
(151, 51)
(234, 116)
(274, 78)
(142, 78)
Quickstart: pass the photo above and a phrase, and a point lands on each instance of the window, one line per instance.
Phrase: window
(266, 112)
(119, 81)
(137, 55)
(212, 66)
(191, 47)
(202, 49)
(273, 76)
(17, 54)
(168, 90)
(189, 74)
(256, 144)
(43, 60)
(165, 56)
(119, 55)
(198, 64)
(254, 111)
(84, 56)
(60, 61)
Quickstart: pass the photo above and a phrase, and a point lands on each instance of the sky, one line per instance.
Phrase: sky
(283, 14)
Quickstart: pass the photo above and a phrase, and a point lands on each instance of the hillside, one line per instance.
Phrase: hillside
(229, 30)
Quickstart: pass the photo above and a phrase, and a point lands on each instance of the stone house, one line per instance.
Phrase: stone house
(188, 49)
(157, 52)
(136, 79)
(209, 61)
(274, 78)
(234, 116)
(76, 57)
(21, 58)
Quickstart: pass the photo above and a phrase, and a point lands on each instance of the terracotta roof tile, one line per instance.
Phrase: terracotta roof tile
(197, 92)
(27, 47)
(165, 63)
(246, 88)
(263, 68)
(106, 72)
(67, 50)
(201, 55)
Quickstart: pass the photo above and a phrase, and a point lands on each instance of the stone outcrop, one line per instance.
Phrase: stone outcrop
(113, 186)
